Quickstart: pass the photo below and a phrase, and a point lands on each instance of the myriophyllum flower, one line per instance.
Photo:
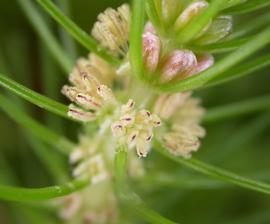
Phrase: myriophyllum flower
(189, 13)
(170, 66)
(96, 101)
(88, 93)
(135, 128)
(102, 97)
(112, 29)
(182, 134)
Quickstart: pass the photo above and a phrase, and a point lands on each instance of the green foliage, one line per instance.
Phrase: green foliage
(249, 40)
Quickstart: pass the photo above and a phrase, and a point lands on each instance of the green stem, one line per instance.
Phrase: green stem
(9, 193)
(37, 129)
(34, 97)
(81, 36)
(237, 109)
(136, 30)
(255, 44)
(57, 52)
(130, 199)
(215, 172)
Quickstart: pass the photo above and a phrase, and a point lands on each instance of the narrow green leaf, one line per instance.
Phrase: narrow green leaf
(136, 30)
(247, 28)
(215, 172)
(237, 109)
(196, 26)
(37, 129)
(242, 136)
(81, 36)
(153, 15)
(189, 182)
(255, 44)
(222, 47)
(9, 193)
(165, 180)
(231, 3)
(34, 97)
(249, 6)
(57, 52)
(67, 40)
(241, 71)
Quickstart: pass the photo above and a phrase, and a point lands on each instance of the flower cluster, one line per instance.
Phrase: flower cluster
(135, 128)
(88, 93)
(100, 94)
(95, 204)
(112, 29)
(171, 66)
(183, 133)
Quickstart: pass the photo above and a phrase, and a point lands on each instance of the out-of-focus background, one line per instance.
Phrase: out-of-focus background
(241, 145)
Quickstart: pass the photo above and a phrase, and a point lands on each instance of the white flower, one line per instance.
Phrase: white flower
(184, 114)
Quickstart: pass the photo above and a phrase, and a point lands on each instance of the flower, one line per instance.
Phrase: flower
(112, 29)
(135, 128)
(175, 16)
(90, 95)
(170, 65)
(182, 136)
(95, 204)
(102, 96)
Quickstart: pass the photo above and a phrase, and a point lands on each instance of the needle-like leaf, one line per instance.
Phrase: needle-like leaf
(215, 172)
(9, 193)
(81, 36)
(34, 97)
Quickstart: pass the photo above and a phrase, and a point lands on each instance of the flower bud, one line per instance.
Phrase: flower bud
(128, 107)
(118, 129)
(70, 92)
(142, 147)
(192, 11)
(149, 28)
(106, 93)
(181, 143)
(205, 61)
(151, 51)
(170, 10)
(219, 29)
(176, 63)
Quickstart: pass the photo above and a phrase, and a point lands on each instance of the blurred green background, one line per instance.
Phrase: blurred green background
(241, 145)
